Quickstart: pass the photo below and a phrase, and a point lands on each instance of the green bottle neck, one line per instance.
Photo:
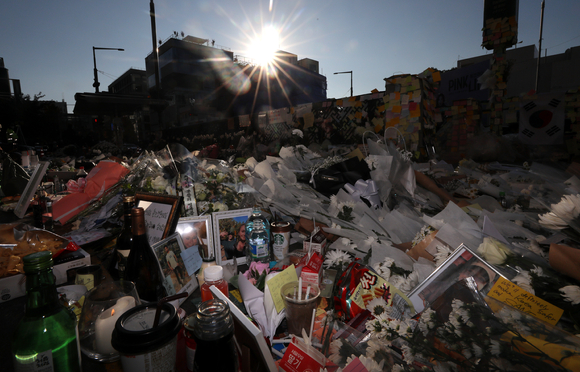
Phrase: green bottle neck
(41, 294)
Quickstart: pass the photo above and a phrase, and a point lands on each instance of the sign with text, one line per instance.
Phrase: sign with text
(514, 296)
(156, 217)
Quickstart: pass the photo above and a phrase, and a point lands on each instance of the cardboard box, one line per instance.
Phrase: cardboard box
(14, 286)
(311, 269)
(318, 243)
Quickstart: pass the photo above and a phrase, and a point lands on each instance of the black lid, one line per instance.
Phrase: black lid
(131, 340)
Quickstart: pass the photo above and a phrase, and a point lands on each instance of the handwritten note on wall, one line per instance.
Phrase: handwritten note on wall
(510, 294)
(156, 217)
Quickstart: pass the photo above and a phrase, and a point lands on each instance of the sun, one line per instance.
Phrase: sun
(264, 47)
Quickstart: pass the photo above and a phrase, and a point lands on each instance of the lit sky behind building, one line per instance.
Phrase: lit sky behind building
(47, 45)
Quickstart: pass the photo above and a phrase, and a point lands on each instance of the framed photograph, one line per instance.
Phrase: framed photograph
(197, 232)
(462, 263)
(229, 231)
(177, 265)
(161, 214)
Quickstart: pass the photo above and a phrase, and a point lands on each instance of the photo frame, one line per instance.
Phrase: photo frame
(197, 231)
(229, 231)
(177, 265)
(161, 214)
(462, 263)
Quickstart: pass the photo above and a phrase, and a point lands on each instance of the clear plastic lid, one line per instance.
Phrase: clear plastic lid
(213, 273)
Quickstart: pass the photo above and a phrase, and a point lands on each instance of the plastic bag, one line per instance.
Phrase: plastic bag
(14, 177)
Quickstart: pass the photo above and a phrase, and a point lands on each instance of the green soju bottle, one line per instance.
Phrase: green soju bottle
(46, 338)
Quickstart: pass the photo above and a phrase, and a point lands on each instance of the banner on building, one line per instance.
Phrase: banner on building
(542, 120)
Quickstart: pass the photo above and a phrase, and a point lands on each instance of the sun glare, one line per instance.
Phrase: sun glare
(264, 47)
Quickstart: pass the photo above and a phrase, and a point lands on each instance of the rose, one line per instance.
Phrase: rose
(493, 251)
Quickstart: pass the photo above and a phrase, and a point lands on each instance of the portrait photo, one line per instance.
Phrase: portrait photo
(463, 263)
(170, 253)
(197, 231)
(230, 235)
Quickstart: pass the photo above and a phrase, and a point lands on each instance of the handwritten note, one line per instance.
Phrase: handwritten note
(156, 217)
(275, 285)
(191, 259)
(510, 294)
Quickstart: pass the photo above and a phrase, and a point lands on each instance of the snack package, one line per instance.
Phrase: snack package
(300, 357)
(359, 285)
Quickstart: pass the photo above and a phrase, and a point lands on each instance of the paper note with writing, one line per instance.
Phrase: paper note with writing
(275, 285)
(156, 217)
(508, 293)
(191, 259)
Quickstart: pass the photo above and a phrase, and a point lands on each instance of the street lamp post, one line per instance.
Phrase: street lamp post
(96, 83)
(347, 72)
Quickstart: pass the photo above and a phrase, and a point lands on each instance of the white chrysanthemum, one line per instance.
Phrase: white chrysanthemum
(409, 283)
(427, 320)
(345, 241)
(297, 132)
(495, 348)
(537, 270)
(371, 365)
(442, 253)
(377, 306)
(551, 221)
(568, 208)
(477, 350)
(337, 257)
(398, 368)
(571, 293)
(524, 281)
(408, 355)
(159, 183)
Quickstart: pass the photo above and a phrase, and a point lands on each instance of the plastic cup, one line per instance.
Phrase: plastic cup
(300, 304)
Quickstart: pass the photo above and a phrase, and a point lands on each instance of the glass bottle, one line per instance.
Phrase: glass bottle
(214, 275)
(213, 331)
(81, 173)
(259, 243)
(124, 241)
(47, 221)
(46, 338)
(142, 265)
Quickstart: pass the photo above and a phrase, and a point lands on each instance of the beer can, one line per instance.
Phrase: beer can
(280, 239)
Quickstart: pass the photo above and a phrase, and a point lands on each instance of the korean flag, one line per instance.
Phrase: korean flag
(542, 120)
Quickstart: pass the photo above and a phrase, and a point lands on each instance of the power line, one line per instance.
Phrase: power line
(553, 46)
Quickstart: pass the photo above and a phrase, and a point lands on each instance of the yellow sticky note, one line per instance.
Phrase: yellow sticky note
(275, 285)
(510, 294)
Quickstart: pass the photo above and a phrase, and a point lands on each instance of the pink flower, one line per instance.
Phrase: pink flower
(256, 266)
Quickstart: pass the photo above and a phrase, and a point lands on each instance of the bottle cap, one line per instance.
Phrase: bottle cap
(37, 261)
(213, 273)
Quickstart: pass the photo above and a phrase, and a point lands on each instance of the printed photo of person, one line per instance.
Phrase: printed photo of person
(194, 233)
(172, 265)
(231, 234)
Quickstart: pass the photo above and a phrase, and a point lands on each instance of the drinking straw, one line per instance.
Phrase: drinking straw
(300, 289)
(312, 322)
(160, 305)
(307, 292)
(294, 297)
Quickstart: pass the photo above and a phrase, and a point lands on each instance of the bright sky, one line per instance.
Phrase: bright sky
(48, 44)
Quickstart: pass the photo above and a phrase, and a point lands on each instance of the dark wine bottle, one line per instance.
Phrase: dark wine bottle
(124, 241)
(142, 265)
(46, 338)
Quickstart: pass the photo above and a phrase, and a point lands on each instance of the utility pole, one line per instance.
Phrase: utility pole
(540, 46)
